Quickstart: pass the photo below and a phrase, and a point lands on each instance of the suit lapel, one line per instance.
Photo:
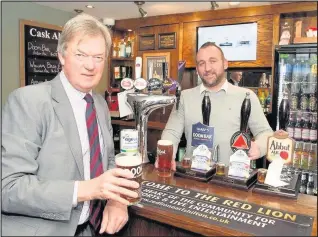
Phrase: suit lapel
(64, 112)
(103, 125)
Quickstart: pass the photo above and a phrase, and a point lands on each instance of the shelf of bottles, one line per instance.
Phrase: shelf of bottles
(298, 78)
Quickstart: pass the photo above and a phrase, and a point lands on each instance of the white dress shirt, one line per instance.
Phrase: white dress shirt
(79, 109)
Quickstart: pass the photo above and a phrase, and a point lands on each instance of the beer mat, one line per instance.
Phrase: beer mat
(288, 191)
(235, 182)
(225, 212)
(199, 175)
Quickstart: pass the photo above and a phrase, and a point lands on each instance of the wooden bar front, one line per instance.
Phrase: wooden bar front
(152, 221)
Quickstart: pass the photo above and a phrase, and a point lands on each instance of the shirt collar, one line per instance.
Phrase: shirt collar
(72, 93)
(223, 87)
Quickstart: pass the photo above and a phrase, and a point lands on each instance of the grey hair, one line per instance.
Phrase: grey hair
(86, 25)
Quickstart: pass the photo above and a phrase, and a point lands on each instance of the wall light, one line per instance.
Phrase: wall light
(142, 12)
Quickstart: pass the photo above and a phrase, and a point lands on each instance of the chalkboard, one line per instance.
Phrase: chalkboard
(228, 213)
(38, 52)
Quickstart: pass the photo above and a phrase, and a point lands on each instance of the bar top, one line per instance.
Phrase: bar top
(305, 204)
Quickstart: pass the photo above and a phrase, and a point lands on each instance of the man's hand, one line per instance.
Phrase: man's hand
(254, 152)
(111, 185)
(115, 216)
(173, 164)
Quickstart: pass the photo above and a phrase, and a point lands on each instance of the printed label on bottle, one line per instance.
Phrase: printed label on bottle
(294, 102)
(305, 134)
(313, 135)
(313, 103)
(304, 103)
(290, 131)
(297, 134)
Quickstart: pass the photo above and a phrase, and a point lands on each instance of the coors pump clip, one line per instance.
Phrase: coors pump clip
(240, 140)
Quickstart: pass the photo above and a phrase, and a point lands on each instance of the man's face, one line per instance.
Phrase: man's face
(211, 66)
(237, 76)
(83, 61)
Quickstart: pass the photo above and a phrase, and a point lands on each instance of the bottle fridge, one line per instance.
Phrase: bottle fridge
(295, 76)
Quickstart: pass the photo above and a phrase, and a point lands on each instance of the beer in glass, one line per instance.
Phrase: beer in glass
(132, 163)
(164, 156)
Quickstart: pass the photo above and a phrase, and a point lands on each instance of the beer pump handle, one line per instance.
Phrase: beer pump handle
(164, 75)
(206, 109)
(178, 94)
(283, 114)
(245, 112)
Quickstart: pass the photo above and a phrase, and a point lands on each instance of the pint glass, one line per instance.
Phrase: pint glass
(164, 156)
(134, 164)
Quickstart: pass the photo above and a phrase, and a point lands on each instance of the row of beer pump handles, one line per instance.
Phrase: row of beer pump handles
(284, 110)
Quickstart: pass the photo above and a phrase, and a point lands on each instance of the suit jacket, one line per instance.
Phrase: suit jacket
(41, 159)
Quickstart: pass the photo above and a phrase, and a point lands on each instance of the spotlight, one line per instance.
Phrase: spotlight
(214, 5)
(142, 12)
(78, 11)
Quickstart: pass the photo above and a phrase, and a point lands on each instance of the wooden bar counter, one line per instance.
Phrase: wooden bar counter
(152, 221)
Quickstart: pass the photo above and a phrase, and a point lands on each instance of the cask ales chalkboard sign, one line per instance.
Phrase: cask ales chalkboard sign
(245, 217)
(38, 52)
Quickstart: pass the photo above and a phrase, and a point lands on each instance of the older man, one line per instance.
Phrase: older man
(57, 146)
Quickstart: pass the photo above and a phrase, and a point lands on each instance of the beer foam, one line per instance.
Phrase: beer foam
(128, 160)
(164, 142)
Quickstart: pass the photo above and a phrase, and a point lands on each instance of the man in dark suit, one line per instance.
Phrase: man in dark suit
(235, 78)
(57, 147)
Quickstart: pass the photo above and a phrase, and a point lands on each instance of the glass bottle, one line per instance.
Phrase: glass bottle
(297, 155)
(304, 156)
(312, 158)
(305, 129)
(310, 185)
(303, 183)
(262, 99)
(291, 126)
(114, 50)
(128, 48)
(313, 129)
(304, 101)
(313, 98)
(297, 131)
(296, 71)
(294, 96)
(122, 48)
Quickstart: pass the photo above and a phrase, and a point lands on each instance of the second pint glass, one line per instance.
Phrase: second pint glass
(134, 164)
(164, 156)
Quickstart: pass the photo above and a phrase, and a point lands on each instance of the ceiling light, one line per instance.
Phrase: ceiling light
(78, 11)
(129, 30)
(143, 13)
(214, 5)
(234, 3)
(89, 6)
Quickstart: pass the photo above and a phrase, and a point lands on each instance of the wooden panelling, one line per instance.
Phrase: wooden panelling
(264, 40)
(135, 23)
(174, 53)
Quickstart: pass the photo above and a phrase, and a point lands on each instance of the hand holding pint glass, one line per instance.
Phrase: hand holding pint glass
(133, 163)
(164, 157)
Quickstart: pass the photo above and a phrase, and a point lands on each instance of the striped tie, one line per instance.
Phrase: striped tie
(96, 167)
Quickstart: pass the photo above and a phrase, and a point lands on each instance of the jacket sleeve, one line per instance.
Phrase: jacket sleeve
(23, 192)
(258, 124)
(175, 125)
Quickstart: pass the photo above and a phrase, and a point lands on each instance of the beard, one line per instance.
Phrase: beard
(217, 81)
